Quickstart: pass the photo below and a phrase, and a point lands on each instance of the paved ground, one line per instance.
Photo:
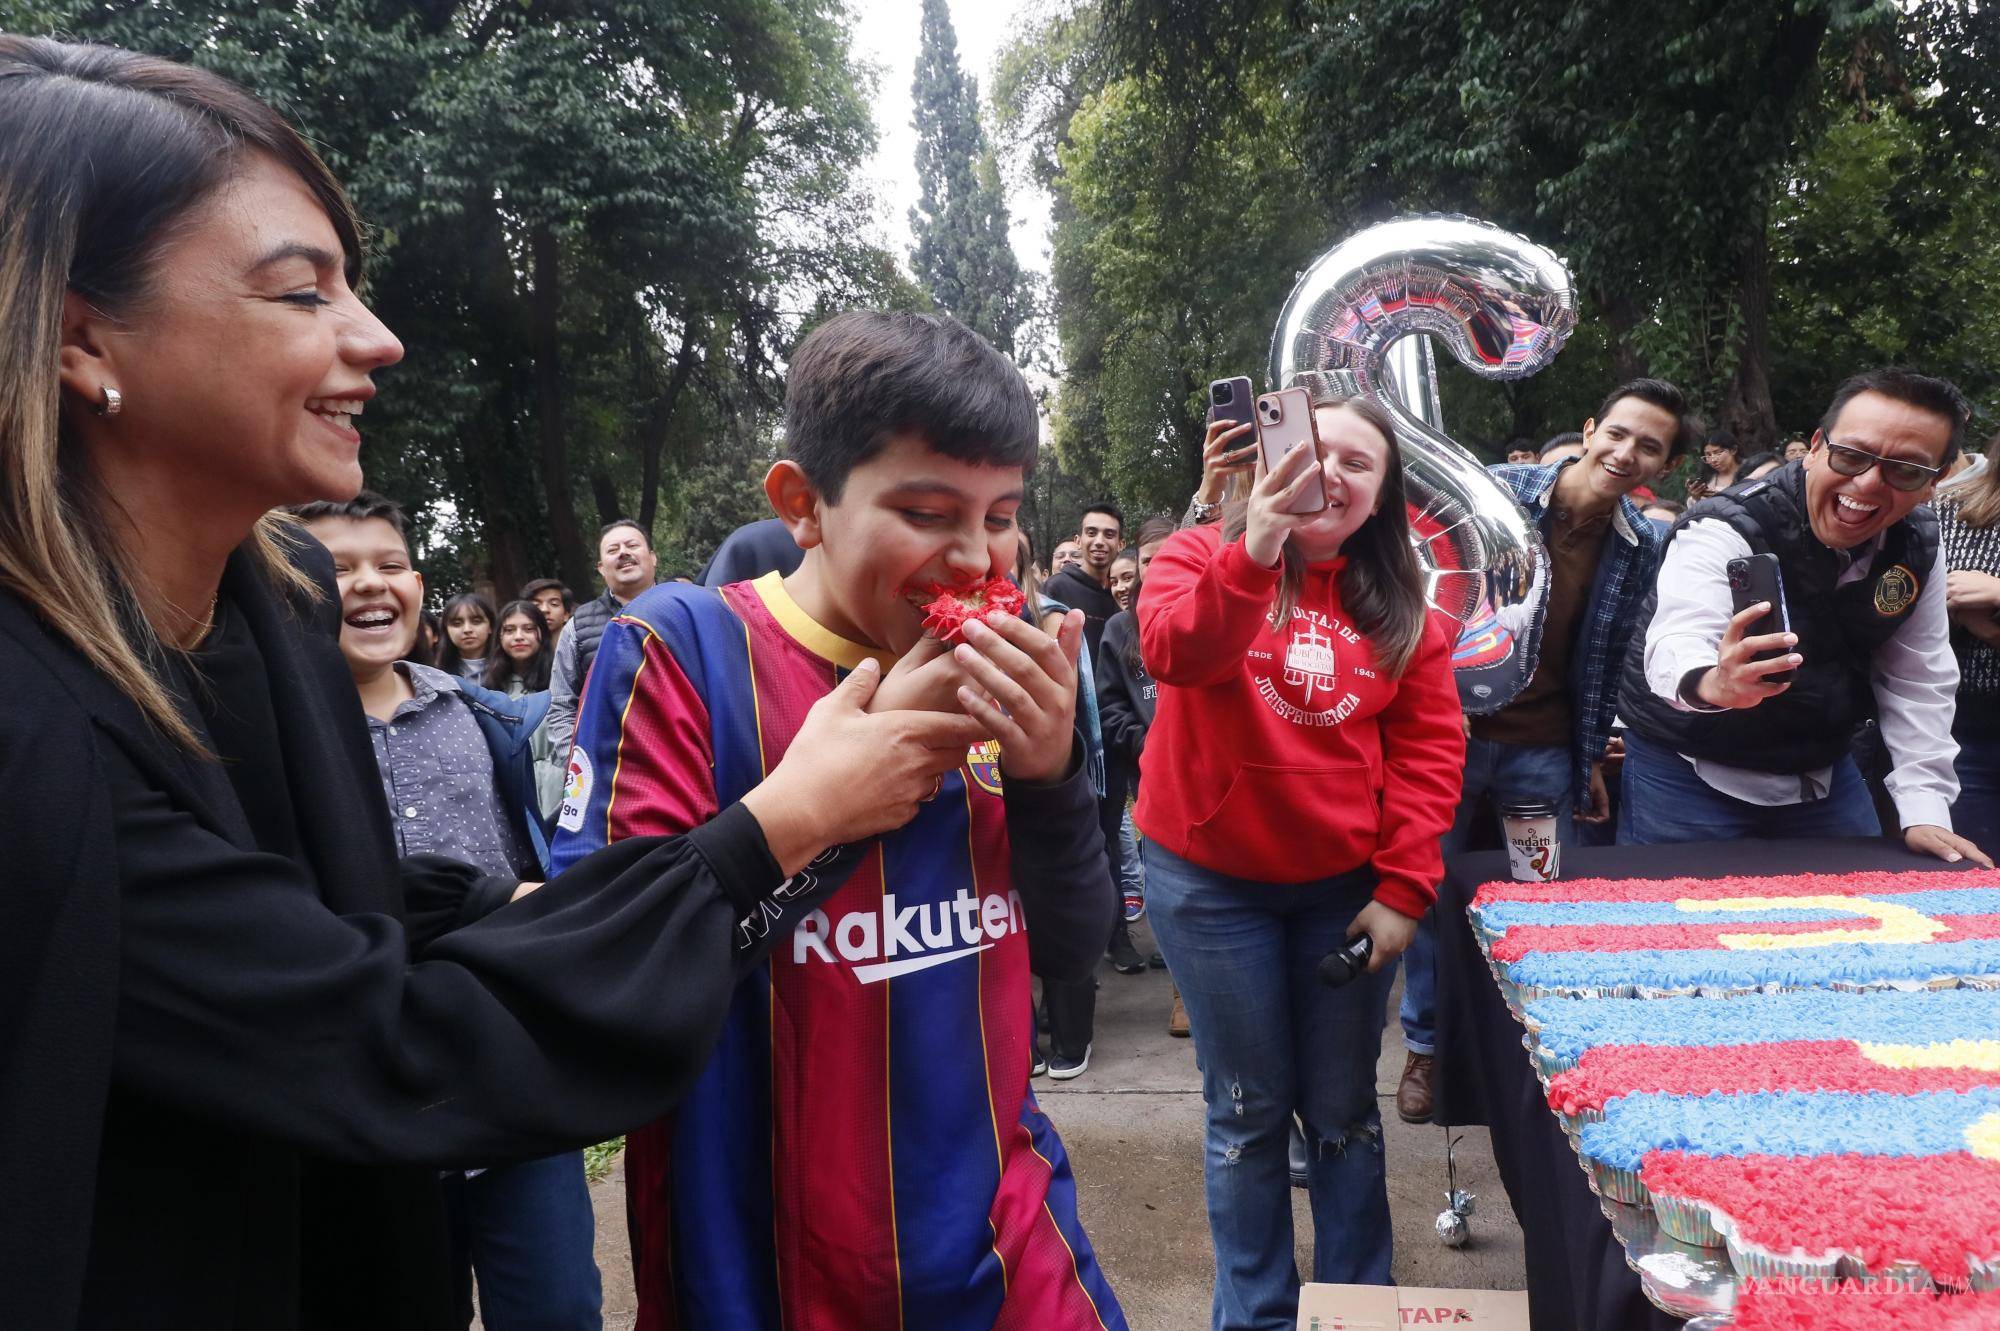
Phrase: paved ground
(1132, 1125)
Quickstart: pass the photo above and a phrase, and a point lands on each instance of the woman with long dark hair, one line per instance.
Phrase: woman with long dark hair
(470, 627)
(1304, 759)
(241, 1037)
(1969, 525)
(522, 653)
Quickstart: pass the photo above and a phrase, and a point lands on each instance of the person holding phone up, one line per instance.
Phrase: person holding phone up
(1723, 739)
(1302, 763)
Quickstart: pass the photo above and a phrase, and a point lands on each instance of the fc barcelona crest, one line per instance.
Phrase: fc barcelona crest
(1895, 591)
(982, 760)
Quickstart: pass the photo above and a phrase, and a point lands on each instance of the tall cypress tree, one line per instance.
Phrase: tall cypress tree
(963, 256)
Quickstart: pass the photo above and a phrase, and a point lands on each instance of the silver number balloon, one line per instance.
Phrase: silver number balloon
(1504, 306)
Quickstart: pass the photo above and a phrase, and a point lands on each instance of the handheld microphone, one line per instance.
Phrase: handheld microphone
(1337, 968)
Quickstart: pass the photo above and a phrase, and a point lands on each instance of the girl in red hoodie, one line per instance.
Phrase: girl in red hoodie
(1303, 762)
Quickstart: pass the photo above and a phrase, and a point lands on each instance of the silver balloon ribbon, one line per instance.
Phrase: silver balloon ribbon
(1504, 306)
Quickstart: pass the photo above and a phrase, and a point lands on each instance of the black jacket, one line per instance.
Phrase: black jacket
(751, 551)
(227, 1077)
(1126, 694)
(1079, 591)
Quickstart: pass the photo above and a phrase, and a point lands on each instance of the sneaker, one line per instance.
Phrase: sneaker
(1062, 1069)
(1125, 958)
(1135, 907)
(1156, 962)
(1041, 1063)
(1177, 1024)
(1295, 1157)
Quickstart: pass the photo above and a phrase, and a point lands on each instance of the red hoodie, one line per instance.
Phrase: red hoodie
(1288, 756)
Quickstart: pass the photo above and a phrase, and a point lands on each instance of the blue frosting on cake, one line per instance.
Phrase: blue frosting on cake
(1786, 1123)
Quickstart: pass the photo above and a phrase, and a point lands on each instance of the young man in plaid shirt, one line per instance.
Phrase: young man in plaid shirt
(1549, 742)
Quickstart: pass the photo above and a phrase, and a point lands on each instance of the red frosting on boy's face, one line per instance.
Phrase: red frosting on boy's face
(949, 609)
(908, 519)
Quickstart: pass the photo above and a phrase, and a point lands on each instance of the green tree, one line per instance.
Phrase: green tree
(963, 256)
(599, 226)
(1876, 260)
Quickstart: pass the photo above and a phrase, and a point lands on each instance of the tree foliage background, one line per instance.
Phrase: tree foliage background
(1757, 199)
(598, 227)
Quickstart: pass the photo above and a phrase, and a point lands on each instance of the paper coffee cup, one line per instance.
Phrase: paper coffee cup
(1533, 853)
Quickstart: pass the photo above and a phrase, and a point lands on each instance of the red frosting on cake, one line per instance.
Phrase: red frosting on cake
(949, 608)
(1609, 1071)
(1773, 1306)
(1874, 883)
(1522, 939)
(1936, 1211)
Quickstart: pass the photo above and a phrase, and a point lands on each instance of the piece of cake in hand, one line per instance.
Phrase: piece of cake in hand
(949, 609)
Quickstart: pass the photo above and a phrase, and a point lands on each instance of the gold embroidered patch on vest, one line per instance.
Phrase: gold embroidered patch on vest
(1895, 591)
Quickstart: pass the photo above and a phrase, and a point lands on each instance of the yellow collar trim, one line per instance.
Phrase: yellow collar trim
(808, 632)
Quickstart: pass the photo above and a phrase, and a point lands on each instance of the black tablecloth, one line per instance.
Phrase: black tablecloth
(1577, 1277)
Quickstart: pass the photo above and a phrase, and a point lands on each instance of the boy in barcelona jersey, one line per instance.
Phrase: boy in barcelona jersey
(862, 1151)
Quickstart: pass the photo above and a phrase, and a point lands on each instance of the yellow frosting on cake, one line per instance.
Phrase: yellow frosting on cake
(1895, 924)
(1982, 1138)
(1983, 1055)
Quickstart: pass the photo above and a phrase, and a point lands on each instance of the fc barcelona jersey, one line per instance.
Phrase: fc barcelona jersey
(862, 1151)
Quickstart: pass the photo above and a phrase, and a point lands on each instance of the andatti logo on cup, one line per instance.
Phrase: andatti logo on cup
(1533, 853)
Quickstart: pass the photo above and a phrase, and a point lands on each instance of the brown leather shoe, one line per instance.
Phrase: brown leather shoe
(1413, 1092)
(1177, 1024)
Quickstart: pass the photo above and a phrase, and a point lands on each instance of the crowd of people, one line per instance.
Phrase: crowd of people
(339, 930)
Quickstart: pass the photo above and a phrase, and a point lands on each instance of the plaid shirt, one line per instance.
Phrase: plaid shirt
(1624, 576)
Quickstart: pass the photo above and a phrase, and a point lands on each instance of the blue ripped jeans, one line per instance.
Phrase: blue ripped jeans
(1272, 1041)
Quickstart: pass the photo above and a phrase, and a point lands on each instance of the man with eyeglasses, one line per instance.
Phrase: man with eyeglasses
(1717, 746)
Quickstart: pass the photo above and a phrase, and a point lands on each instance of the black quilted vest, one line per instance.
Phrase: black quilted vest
(1809, 725)
(590, 619)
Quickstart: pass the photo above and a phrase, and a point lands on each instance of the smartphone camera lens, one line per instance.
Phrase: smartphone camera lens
(1220, 393)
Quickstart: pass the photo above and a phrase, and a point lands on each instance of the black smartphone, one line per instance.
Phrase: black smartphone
(1234, 401)
(1756, 578)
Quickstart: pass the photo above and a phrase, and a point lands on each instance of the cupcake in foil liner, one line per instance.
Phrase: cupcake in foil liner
(1549, 1064)
(1665, 991)
(1755, 1263)
(1686, 1221)
(1573, 1124)
(1620, 1185)
(1910, 1275)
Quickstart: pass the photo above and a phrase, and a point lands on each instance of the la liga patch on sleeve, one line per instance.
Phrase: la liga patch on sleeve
(576, 791)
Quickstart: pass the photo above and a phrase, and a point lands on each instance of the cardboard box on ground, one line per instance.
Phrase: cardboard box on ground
(1383, 1308)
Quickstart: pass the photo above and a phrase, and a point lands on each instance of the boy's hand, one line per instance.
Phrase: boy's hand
(849, 775)
(926, 679)
(1024, 692)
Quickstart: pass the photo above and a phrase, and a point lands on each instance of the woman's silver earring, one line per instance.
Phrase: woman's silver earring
(110, 401)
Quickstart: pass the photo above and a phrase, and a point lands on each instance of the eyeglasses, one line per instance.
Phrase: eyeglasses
(1905, 476)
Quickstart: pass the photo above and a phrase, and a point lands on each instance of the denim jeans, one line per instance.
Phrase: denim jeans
(1505, 772)
(1131, 874)
(527, 1232)
(1273, 1042)
(1666, 802)
(1975, 815)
